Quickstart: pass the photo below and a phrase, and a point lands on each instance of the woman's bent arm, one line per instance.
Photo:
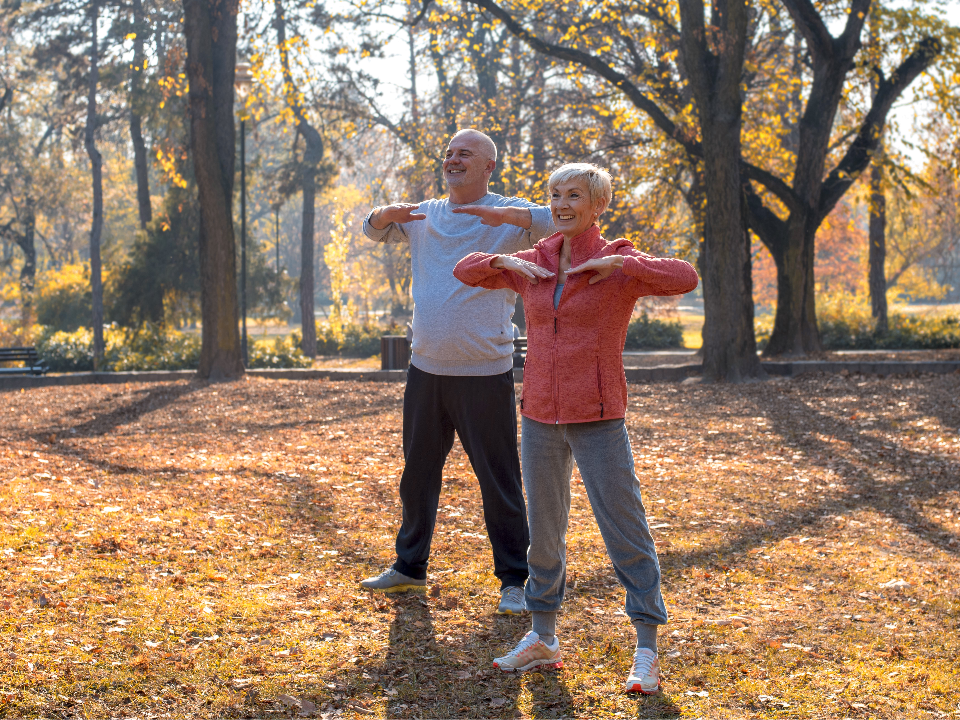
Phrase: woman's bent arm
(646, 275)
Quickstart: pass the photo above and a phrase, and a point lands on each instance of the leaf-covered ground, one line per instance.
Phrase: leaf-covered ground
(193, 550)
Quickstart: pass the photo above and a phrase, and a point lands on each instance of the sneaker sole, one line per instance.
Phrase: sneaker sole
(545, 664)
(638, 688)
(510, 612)
(395, 588)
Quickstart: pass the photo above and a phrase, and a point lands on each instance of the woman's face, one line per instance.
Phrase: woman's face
(573, 212)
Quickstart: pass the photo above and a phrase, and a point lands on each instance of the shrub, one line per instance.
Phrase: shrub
(646, 333)
(846, 323)
(152, 348)
(355, 340)
(64, 351)
(280, 352)
(905, 332)
(63, 299)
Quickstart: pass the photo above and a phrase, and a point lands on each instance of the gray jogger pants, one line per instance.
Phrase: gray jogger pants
(602, 452)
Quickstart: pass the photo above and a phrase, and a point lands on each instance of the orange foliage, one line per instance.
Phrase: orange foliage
(842, 247)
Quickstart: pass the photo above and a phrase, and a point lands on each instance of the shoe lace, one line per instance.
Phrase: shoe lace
(642, 664)
(529, 640)
(514, 594)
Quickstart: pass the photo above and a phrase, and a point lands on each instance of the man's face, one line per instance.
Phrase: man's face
(465, 164)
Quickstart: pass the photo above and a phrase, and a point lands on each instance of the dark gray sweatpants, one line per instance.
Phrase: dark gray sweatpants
(602, 452)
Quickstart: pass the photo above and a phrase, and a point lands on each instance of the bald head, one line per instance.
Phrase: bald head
(482, 140)
(469, 162)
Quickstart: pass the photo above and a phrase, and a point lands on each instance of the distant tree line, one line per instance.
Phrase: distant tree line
(728, 127)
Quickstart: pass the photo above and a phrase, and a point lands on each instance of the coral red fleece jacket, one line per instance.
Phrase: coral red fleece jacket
(574, 369)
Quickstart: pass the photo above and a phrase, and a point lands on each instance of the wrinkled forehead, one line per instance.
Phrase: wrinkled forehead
(468, 141)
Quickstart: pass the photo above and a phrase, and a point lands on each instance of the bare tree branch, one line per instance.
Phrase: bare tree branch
(604, 70)
(861, 150)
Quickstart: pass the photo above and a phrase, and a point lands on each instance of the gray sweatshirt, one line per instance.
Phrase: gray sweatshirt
(459, 330)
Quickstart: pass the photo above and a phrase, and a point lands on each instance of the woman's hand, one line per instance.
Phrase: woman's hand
(497, 216)
(603, 267)
(531, 271)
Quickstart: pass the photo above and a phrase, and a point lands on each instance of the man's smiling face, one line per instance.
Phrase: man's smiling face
(466, 164)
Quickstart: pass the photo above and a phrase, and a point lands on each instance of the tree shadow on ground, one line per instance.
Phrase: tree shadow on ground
(146, 400)
(858, 470)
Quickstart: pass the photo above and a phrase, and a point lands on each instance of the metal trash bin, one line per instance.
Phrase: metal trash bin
(519, 351)
(394, 352)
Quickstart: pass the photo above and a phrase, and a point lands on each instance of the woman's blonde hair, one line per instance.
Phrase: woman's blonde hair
(598, 179)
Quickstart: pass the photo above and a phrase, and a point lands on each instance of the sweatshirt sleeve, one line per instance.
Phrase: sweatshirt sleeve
(541, 225)
(475, 270)
(647, 275)
(391, 233)
(541, 220)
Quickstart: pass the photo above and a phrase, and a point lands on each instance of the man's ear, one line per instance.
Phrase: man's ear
(491, 166)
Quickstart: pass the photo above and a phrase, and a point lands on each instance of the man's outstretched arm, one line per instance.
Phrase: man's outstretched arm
(382, 216)
(497, 216)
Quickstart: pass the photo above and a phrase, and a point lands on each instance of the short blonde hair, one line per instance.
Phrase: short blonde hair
(598, 179)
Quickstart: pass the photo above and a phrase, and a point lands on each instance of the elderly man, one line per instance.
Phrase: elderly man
(461, 373)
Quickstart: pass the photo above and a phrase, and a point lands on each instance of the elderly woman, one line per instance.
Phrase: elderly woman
(579, 292)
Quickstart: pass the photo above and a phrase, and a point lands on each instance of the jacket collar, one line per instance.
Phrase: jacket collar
(582, 247)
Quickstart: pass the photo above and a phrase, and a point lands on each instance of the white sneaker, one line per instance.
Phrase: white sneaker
(529, 653)
(645, 673)
(392, 581)
(511, 601)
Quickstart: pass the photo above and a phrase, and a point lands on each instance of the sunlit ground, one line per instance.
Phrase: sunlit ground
(185, 550)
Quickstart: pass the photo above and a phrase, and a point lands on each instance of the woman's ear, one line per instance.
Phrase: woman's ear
(600, 206)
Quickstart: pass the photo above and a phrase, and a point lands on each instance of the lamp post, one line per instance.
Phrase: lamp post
(242, 81)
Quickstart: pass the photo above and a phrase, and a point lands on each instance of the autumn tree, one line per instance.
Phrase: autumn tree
(139, 29)
(621, 47)
(815, 189)
(210, 28)
(309, 169)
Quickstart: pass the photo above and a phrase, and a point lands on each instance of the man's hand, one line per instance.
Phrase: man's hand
(399, 213)
(604, 267)
(531, 271)
(497, 216)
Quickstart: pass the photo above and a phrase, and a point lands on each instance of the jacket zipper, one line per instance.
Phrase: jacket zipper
(600, 387)
(556, 393)
(556, 330)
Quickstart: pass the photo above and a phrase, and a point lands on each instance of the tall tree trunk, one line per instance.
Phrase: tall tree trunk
(448, 101)
(308, 260)
(878, 248)
(96, 172)
(28, 273)
(414, 99)
(136, 132)
(487, 63)
(210, 27)
(312, 156)
(729, 344)
(537, 111)
(877, 256)
(795, 322)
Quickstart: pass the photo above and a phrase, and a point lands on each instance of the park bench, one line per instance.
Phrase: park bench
(519, 351)
(27, 355)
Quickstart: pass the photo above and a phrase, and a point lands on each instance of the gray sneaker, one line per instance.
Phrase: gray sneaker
(511, 601)
(392, 581)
